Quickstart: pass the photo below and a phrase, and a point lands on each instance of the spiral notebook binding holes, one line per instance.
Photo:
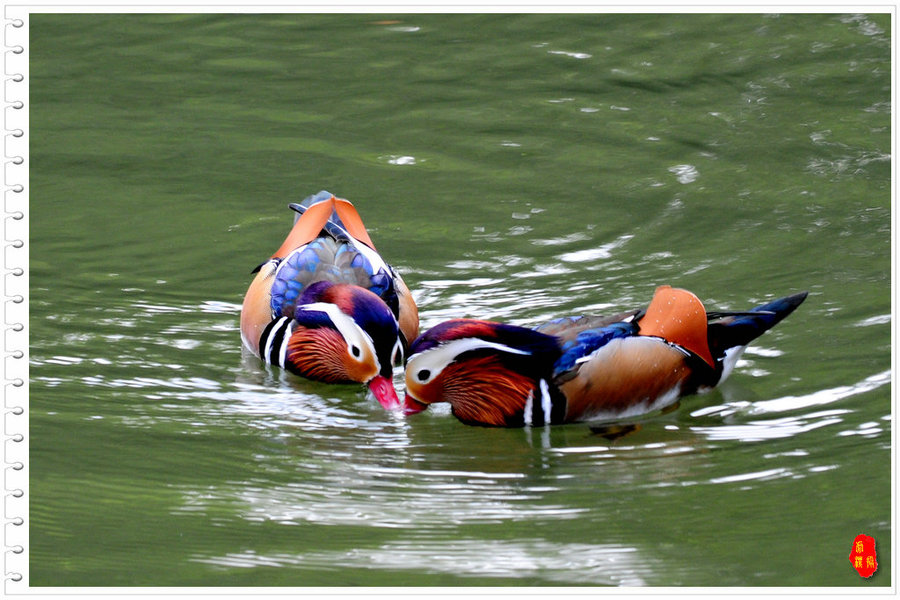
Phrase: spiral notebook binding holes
(15, 305)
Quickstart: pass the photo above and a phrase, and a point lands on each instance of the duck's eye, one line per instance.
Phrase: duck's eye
(423, 375)
(355, 351)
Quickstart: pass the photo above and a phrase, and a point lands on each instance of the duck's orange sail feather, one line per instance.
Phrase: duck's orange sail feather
(679, 317)
(307, 227)
(352, 221)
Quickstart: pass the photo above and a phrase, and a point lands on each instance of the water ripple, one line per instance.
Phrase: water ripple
(343, 494)
(572, 563)
(822, 397)
(603, 251)
(578, 55)
(789, 426)
(685, 173)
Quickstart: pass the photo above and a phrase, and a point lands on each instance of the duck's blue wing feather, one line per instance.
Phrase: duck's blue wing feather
(567, 328)
(323, 259)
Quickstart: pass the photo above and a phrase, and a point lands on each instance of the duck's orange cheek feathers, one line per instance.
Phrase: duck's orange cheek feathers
(428, 393)
(321, 354)
(360, 371)
(419, 396)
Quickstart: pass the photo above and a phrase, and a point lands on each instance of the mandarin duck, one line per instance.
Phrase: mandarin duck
(326, 305)
(582, 368)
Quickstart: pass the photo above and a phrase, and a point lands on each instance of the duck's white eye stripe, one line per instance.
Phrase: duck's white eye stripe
(434, 361)
(353, 334)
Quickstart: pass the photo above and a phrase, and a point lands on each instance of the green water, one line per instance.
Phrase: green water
(512, 167)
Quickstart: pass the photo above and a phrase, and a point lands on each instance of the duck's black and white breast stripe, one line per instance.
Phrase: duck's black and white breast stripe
(274, 340)
(544, 406)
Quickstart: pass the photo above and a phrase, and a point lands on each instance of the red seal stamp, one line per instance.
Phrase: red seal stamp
(862, 555)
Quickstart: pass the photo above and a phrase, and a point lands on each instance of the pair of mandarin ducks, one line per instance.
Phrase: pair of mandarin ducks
(327, 307)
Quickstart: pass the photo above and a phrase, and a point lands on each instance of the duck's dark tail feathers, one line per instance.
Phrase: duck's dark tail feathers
(334, 227)
(728, 330)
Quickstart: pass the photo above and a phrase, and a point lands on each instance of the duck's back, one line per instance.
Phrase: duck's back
(323, 259)
(328, 243)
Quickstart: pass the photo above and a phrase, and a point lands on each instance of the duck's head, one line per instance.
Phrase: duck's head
(346, 333)
(485, 370)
